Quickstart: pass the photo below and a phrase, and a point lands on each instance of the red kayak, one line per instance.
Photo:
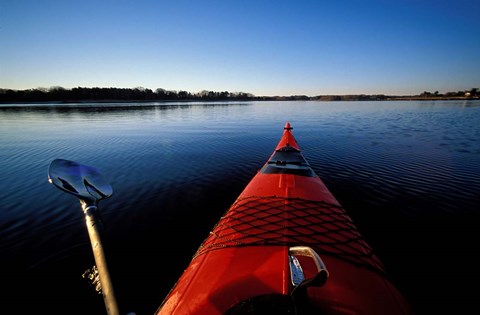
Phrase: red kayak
(285, 246)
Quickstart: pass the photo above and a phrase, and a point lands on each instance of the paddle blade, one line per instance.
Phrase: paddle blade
(82, 181)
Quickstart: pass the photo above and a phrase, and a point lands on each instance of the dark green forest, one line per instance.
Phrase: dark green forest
(97, 94)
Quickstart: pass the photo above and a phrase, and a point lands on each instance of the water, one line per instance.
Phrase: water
(408, 174)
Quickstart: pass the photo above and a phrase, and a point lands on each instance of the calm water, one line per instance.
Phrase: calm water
(408, 173)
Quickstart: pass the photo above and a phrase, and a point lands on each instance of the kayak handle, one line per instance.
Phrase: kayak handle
(296, 271)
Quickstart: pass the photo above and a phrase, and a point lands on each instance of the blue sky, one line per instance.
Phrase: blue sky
(256, 46)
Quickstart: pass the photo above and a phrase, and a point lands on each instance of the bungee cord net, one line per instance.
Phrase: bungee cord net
(282, 221)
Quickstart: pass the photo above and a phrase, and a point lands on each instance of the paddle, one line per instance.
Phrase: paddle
(88, 185)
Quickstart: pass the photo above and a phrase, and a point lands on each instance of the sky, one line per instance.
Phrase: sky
(263, 47)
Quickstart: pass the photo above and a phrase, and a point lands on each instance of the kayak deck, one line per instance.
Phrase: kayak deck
(282, 221)
(284, 246)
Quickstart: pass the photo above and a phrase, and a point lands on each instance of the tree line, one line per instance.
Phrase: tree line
(84, 94)
(61, 94)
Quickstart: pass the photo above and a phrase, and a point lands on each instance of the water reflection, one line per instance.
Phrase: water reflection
(406, 172)
(112, 107)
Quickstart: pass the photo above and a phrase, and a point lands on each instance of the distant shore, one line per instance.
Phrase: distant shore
(363, 97)
(80, 94)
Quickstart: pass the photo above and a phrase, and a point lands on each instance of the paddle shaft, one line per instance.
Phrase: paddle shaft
(100, 261)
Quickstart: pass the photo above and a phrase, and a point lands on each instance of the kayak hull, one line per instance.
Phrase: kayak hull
(254, 255)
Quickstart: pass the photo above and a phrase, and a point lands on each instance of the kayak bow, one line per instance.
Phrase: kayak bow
(285, 246)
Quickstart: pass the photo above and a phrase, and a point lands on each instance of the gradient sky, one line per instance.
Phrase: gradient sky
(261, 47)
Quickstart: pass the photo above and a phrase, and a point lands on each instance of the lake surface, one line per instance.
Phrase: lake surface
(407, 173)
